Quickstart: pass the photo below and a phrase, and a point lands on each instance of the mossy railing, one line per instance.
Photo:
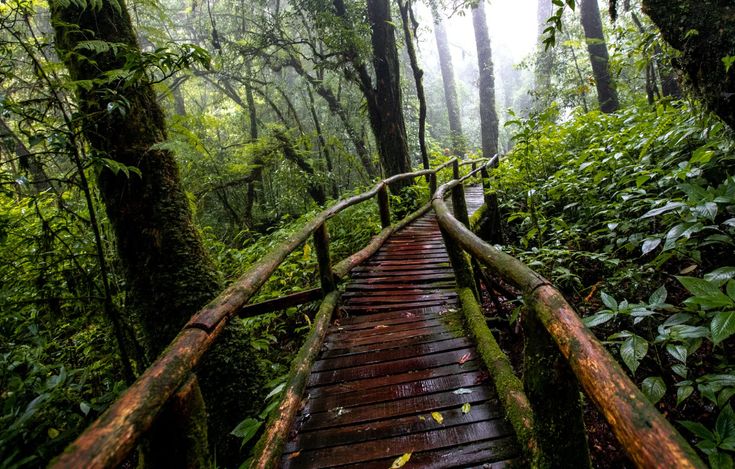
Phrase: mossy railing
(171, 379)
(563, 349)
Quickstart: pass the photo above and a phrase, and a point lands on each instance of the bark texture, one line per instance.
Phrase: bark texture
(168, 273)
(488, 115)
(703, 31)
(607, 94)
(386, 112)
(450, 87)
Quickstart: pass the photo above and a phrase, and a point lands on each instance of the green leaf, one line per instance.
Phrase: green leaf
(84, 407)
(654, 388)
(682, 393)
(721, 275)
(609, 301)
(677, 351)
(719, 460)
(633, 350)
(725, 424)
(698, 429)
(650, 244)
(722, 326)
(246, 429)
(666, 208)
(597, 319)
(698, 286)
(658, 297)
(466, 407)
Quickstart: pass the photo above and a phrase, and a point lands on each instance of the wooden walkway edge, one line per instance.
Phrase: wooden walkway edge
(397, 373)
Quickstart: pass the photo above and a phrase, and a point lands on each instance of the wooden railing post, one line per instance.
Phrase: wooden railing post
(455, 169)
(459, 205)
(321, 245)
(460, 264)
(384, 206)
(432, 184)
(554, 393)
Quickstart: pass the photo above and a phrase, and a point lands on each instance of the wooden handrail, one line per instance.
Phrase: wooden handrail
(108, 440)
(646, 436)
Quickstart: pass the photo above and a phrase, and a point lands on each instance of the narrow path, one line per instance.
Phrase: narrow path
(397, 373)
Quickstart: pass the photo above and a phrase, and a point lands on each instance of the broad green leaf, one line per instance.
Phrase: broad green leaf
(698, 286)
(698, 429)
(677, 351)
(633, 350)
(597, 319)
(658, 297)
(246, 429)
(722, 326)
(725, 424)
(609, 301)
(401, 461)
(682, 393)
(84, 407)
(720, 276)
(650, 244)
(719, 460)
(654, 388)
(680, 369)
(666, 208)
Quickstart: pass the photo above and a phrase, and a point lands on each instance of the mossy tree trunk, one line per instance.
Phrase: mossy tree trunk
(704, 33)
(607, 94)
(169, 275)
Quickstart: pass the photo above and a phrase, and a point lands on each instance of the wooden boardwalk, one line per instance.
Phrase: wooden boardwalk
(397, 373)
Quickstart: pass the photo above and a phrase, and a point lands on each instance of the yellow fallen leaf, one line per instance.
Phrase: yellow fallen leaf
(466, 408)
(422, 418)
(438, 417)
(400, 462)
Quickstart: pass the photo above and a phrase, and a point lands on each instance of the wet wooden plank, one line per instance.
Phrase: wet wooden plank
(391, 427)
(397, 391)
(382, 381)
(390, 354)
(482, 454)
(391, 447)
(382, 369)
(392, 337)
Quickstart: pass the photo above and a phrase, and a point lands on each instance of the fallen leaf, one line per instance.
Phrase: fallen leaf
(400, 462)
(294, 455)
(421, 417)
(438, 417)
(466, 408)
(688, 270)
(380, 326)
(461, 391)
(464, 358)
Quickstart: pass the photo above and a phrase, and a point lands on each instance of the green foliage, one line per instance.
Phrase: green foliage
(639, 206)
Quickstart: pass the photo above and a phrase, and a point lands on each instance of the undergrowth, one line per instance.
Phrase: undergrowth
(633, 216)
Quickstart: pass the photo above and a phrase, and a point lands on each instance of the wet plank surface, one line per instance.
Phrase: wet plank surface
(397, 373)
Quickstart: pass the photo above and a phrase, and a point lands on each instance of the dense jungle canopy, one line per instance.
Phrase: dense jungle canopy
(151, 151)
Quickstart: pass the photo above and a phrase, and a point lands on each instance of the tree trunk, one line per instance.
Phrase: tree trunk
(669, 85)
(169, 275)
(607, 94)
(488, 116)
(409, 33)
(545, 58)
(385, 104)
(703, 31)
(450, 88)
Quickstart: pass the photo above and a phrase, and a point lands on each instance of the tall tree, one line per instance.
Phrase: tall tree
(607, 94)
(409, 34)
(488, 116)
(703, 31)
(168, 273)
(450, 88)
(545, 57)
(383, 98)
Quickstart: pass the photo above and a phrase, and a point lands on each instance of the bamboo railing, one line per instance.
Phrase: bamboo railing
(110, 438)
(646, 436)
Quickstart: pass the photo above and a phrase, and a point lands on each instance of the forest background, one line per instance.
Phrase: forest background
(616, 183)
